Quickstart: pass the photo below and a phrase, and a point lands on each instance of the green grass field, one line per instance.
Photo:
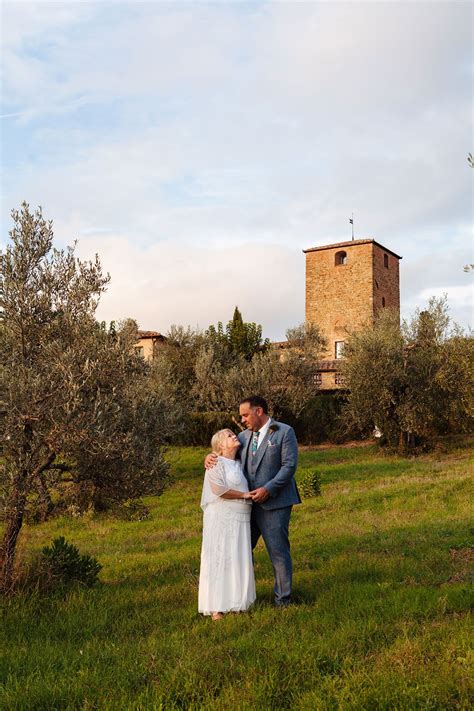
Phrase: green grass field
(381, 579)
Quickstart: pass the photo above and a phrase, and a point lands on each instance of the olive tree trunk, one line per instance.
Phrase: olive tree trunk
(16, 512)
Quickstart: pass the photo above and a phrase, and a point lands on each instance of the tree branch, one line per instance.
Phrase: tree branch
(46, 465)
(61, 467)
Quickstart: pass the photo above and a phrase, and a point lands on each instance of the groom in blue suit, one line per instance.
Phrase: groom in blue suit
(269, 456)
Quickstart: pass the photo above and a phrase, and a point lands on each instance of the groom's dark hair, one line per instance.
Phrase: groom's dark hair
(256, 401)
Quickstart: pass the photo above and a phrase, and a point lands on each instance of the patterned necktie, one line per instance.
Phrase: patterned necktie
(255, 443)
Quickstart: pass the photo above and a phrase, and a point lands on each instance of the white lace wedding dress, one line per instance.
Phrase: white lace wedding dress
(226, 580)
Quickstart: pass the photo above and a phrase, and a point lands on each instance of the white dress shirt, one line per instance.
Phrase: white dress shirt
(263, 431)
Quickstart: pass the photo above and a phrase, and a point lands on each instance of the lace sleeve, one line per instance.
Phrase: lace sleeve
(215, 484)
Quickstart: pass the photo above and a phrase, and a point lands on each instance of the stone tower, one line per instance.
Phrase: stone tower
(346, 284)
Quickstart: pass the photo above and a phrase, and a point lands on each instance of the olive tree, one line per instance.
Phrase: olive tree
(76, 410)
(286, 377)
(411, 381)
(206, 374)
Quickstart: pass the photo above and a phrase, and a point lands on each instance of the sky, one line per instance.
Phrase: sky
(198, 148)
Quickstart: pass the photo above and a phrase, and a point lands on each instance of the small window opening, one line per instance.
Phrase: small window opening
(385, 260)
(339, 349)
(341, 258)
(383, 301)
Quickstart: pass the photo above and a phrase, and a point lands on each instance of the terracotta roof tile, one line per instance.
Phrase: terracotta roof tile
(150, 334)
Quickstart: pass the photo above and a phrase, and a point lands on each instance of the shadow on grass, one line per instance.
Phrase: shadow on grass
(353, 593)
(417, 554)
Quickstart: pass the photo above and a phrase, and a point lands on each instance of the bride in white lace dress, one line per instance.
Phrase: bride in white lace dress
(226, 580)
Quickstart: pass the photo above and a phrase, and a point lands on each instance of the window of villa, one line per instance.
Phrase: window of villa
(339, 349)
(318, 378)
(339, 379)
(341, 258)
(385, 260)
(139, 350)
(383, 301)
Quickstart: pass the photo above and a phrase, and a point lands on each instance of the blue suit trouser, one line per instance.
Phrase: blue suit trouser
(273, 526)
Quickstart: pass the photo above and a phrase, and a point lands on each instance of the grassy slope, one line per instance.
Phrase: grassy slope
(380, 573)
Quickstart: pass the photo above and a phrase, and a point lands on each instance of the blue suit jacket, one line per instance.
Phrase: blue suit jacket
(275, 465)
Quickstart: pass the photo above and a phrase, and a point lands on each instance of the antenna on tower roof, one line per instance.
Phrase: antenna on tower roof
(351, 220)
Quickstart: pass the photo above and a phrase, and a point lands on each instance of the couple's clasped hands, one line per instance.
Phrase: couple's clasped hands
(259, 495)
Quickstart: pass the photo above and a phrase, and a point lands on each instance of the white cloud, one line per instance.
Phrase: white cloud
(166, 285)
(457, 295)
(217, 129)
(437, 274)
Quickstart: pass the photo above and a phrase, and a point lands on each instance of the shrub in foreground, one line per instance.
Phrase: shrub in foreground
(310, 484)
(62, 563)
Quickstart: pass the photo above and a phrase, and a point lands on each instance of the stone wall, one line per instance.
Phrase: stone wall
(339, 297)
(386, 282)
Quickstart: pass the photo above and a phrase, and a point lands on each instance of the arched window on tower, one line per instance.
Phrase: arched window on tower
(385, 260)
(383, 301)
(341, 258)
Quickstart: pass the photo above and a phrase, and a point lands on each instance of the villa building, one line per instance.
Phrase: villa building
(147, 342)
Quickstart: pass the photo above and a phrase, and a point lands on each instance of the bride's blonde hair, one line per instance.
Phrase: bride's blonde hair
(216, 441)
